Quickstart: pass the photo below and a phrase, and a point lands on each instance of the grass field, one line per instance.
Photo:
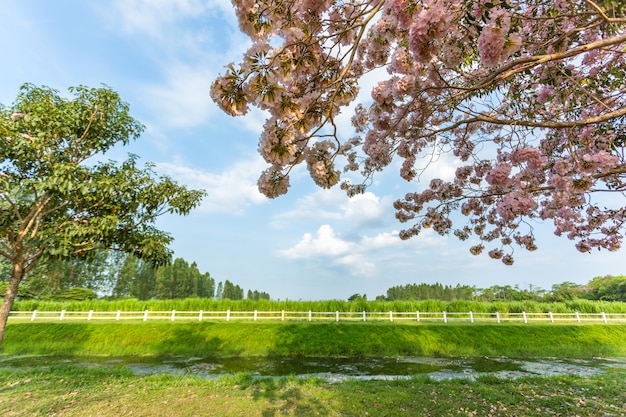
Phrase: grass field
(69, 391)
(66, 390)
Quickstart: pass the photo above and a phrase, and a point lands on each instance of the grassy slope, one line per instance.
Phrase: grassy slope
(315, 339)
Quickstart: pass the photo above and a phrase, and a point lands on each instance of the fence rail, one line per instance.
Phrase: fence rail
(391, 316)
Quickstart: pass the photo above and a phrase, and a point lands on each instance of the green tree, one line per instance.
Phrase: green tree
(175, 280)
(232, 291)
(609, 288)
(57, 202)
(204, 284)
(97, 273)
(565, 291)
(143, 286)
(357, 297)
(135, 278)
(257, 295)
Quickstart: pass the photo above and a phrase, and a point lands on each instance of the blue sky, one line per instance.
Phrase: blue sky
(161, 57)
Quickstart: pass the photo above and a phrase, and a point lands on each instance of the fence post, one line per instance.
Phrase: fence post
(117, 316)
(577, 317)
(90, 315)
(62, 315)
(32, 318)
(364, 316)
(336, 316)
(445, 318)
(525, 318)
(173, 314)
(255, 314)
(200, 316)
(551, 317)
(391, 316)
(604, 317)
(282, 315)
(310, 315)
(227, 315)
(145, 315)
(418, 316)
(498, 316)
(471, 317)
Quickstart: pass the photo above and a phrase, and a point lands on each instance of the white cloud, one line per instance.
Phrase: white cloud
(364, 207)
(327, 243)
(184, 99)
(358, 265)
(328, 246)
(359, 257)
(148, 16)
(382, 240)
(229, 191)
(178, 27)
(188, 49)
(358, 211)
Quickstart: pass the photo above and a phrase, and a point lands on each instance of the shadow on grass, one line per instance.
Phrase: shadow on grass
(286, 396)
(46, 339)
(344, 339)
(449, 340)
(193, 340)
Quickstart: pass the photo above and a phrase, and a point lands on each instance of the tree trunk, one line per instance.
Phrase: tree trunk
(17, 274)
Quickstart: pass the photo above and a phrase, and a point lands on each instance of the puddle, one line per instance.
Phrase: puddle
(337, 369)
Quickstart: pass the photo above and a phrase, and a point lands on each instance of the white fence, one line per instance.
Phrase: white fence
(391, 316)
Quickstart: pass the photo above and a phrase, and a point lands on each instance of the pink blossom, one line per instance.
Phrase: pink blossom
(531, 156)
(320, 166)
(400, 9)
(401, 61)
(273, 183)
(377, 148)
(545, 94)
(426, 28)
(499, 175)
(477, 249)
(452, 54)
(525, 136)
(507, 260)
(491, 45)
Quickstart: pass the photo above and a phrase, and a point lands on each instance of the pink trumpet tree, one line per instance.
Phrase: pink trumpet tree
(527, 95)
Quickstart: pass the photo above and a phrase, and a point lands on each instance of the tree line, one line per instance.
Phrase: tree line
(605, 288)
(115, 275)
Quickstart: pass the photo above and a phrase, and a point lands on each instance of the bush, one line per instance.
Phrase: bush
(77, 294)
(22, 293)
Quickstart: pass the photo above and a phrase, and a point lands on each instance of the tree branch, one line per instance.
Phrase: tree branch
(549, 125)
(525, 63)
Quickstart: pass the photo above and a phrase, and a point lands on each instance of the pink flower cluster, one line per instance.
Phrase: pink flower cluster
(496, 43)
(499, 175)
(318, 159)
(427, 26)
(273, 183)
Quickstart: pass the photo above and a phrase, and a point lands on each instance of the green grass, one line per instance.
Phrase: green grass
(314, 339)
(207, 304)
(73, 391)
